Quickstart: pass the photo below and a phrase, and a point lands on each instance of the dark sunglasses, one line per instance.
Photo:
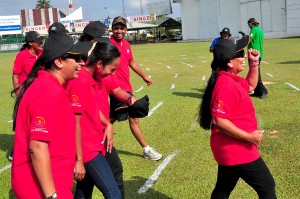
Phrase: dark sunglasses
(77, 58)
(239, 54)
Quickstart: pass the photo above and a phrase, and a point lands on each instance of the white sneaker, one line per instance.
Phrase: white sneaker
(152, 154)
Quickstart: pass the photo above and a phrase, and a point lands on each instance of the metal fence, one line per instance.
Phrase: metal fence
(11, 44)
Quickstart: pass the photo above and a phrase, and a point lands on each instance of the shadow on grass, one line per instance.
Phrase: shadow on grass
(6, 143)
(129, 153)
(290, 62)
(135, 183)
(191, 94)
(11, 194)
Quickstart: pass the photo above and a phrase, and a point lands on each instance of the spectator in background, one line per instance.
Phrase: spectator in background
(57, 27)
(224, 34)
(256, 42)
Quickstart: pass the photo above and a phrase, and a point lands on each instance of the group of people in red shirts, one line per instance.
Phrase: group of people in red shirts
(62, 115)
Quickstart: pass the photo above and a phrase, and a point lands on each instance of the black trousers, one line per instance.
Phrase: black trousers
(260, 88)
(255, 173)
(116, 166)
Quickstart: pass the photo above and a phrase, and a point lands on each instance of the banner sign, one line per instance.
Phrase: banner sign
(10, 25)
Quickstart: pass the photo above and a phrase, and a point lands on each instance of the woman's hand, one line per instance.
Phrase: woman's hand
(253, 56)
(79, 171)
(108, 137)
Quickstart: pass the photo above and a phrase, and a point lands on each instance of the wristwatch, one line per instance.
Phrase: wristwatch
(53, 196)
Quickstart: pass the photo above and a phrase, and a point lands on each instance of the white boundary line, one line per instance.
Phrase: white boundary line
(172, 86)
(183, 63)
(159, 63)
(294, 87)
(176, 75)
(147, 68)
(4, 168)
(264, 62)
(154, 108)
(157, 173)
(193, 125)
(141, 64)
(203, 61)
(190, 65)
(169, 67)
(138, 90)
(10, 121)
(149, 76)
(203, 78)
(269, 74)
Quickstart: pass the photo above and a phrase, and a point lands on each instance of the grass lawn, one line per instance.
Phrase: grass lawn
(179, 72)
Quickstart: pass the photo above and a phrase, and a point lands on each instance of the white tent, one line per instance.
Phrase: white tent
(76, 15)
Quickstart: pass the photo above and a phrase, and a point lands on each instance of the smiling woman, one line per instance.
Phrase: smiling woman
(41, 112)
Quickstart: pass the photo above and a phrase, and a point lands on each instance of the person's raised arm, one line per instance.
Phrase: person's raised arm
(252, 76)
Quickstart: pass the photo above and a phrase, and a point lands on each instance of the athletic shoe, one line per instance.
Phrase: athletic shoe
(152, 154)
(10, 156)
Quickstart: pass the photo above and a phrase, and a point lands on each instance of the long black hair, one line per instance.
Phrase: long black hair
(205, 116)
(24, 46)
(104, 51)
(38, 65)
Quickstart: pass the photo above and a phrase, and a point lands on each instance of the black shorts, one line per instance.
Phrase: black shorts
(118, 109)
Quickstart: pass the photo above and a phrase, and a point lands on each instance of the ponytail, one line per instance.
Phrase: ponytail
(24, 46)
(24, 86)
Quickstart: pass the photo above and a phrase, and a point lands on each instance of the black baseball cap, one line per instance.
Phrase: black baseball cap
(60, 44)
(33, 36)
(120, 20)
(225, 31)
(225, 48)
(56, 27)
(253, 20)
(140, 108)
(95, 29)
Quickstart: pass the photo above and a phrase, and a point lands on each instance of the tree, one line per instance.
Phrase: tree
(43, 4)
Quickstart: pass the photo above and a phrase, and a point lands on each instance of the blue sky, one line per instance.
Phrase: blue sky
(92, 9)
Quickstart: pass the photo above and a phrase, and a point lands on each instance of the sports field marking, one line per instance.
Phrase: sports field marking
(159, 63)
(10, 121)
(149, 76)
(182, 63)
(203, 61)
(153, 178)
(141, 64)
(264, 62)
(147, 68)
(269, 74)
(190, 65)
(176, 75)
(163, 58)
(4, 168)
(260, 121)
(154, 108)
(203, 78)
(294, 87)
(172, 86)
(146, 60)
(193, 125)
(138, 90)
(169, 67)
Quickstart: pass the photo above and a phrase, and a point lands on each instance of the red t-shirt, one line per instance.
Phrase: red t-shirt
(107, 85)
(230, 100)
(23, 64)
(122, 72)
(44, 114)
(84, 96)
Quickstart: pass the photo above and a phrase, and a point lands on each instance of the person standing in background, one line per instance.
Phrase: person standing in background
(256, 42)
(224, 34)
(122, 74)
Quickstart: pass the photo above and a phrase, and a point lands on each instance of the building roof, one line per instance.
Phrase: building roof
(167, 22)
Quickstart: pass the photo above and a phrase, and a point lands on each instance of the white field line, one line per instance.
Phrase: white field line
(269, 74)
(203, 78)
(10, 121)
(260, 121)
(203, 61)
(193, 125)
(294, 87)
(154, 108)
(169, 67)
(146, 60)
(147, 68)
(264, 62)
(172, 86)
(190, 65)
(4, 168)
(176, 75)
(163, 58)
(183, 63)
(141, 64)
(159, 63)
(153, 178)
(138, 90)
(149, 76)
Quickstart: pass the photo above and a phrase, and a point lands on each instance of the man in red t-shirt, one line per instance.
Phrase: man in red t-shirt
(119, 29)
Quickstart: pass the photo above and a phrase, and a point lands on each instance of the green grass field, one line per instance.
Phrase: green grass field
(172, 128)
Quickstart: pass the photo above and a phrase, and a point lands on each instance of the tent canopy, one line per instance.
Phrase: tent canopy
(168, 23)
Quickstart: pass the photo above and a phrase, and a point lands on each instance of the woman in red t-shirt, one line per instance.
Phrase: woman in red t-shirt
(228, 111)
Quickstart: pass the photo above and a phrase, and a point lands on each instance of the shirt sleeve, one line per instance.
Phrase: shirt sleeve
(18, 64)
(43, 115)
(222, 103)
